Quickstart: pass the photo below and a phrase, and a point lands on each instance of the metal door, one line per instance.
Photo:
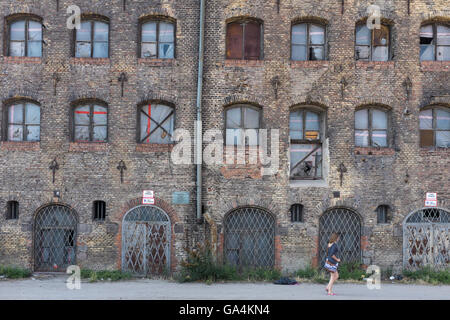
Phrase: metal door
(146, 233)
(348, 224)
(426, 239)
(55, 234)
(250, 238)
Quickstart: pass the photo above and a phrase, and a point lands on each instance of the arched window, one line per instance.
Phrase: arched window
(371, 128)
(242, 124)
(156, 123)
(435, 42)
(90, 123)
(23, 122)
(92, 39)
(308, 41)
(244, 40)
(435, 127)
(372, 44)
(25, 38)
(157, 39)
(306, 131)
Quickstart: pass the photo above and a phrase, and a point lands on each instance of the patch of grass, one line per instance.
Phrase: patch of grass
(312, 274)
(14, 272)
(429, 275)
(351, 271)
(200, 265)
(347, 271)
(115, 275)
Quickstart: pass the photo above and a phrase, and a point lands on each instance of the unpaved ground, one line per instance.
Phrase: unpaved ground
(55, 288)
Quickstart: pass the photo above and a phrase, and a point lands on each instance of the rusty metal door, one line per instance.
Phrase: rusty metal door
(250, 238)
(348, 224)
(146, 233)
(55, 234)
(426, 239)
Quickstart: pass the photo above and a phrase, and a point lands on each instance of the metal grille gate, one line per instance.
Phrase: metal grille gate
(250, 238)
(55, 234)
(348, 224)
(426, 239)
(146, 233)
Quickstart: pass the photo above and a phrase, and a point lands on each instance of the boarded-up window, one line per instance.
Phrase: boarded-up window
(244, 40)
(371, 128)
(308, 42)
(25, 38)
(156, 123)
(90, 123)
(435, 42)
(372, 45)
(92, 40)
(435, 127)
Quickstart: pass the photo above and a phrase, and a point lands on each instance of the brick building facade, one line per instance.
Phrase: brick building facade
(354, 181)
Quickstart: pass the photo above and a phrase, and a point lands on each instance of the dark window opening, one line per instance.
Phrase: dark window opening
(431, 214)
(12, 211)
(99, 210)
(297, 213)
(435, 42)
(244, 40)
(69, 236)
(383, 214)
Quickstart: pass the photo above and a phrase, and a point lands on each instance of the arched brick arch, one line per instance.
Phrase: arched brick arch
(163, 205)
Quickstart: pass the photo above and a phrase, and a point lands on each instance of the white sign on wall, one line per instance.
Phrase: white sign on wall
(148, 197)
(431, 199)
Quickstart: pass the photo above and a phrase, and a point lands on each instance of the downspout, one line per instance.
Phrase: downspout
(199, 135)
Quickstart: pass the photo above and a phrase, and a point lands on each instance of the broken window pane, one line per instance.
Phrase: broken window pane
(83, 50)
(379, 119)
(299, 34)
(426, 119)
(17, 30)
(426, 52)
(379, 138)
(443, 53)
(101, 31)
(362, 35)
(32, 114)
(296, 125)
(166, 50)
(362, 52)
(311, 166)
(84, 33)
(426, 35)
(443, 35)
(362, 138)
(317, 34)
(15, 133)
(17, 49)
(81, 133)
(148, 50)
(443, 139)
(380, 54)
(381, 36)
(298, 53)
(362, 119)
(316, 53)
(33, 133)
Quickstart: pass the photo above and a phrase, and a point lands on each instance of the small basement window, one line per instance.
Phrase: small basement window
(99, 210)
(297, 213)
(383, 214)
(12, 211)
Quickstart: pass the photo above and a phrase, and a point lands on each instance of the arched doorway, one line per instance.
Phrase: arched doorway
(55, 238)
(426, 239)
(249, 237)
(347, 223)
(146, 234)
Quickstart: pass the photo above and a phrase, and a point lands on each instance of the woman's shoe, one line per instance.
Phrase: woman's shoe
(331, 294)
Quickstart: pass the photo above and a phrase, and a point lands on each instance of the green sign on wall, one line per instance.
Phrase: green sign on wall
(180, 197)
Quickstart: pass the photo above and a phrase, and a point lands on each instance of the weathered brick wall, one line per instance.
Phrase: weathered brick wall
(86, 174)
(89, 172)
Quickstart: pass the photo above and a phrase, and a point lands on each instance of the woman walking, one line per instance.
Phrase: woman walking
(332, 262)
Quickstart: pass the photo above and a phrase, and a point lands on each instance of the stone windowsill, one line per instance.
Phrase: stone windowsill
(369, 151)
(157, 62)
(434, 151)
(242, 63)
(154, 147)
(35, 60)
(375, 65)
(88, 147)
(309, 64)
(308, 184)
(435, 66)
(94, 61)
(20, 146)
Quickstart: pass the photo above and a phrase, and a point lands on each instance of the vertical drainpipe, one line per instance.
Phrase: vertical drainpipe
(199, 136)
